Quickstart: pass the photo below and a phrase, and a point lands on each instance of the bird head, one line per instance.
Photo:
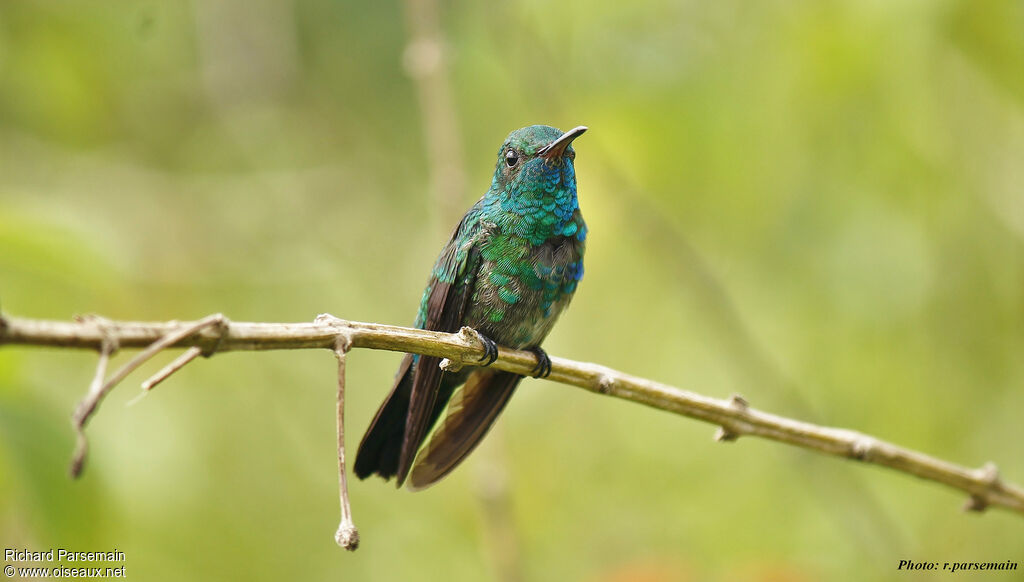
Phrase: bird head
(534, 182)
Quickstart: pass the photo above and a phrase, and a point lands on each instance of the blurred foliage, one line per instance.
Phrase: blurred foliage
(816, 204)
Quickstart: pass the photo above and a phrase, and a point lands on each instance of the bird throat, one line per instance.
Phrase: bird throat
(541, 203)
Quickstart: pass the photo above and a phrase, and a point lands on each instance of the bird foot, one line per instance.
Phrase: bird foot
(490, 349)
(543, 367)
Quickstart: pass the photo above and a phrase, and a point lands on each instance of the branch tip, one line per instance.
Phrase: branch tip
(177, 364)
(347, 536)
(449, 365)
(78, 457)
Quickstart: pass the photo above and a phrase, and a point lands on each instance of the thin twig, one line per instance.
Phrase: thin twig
(98, 391)
(347, 535)
(984, 485)
(175, 365)
(77, 419)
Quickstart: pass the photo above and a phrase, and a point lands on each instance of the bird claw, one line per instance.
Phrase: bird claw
(543, 367)
(490, 350)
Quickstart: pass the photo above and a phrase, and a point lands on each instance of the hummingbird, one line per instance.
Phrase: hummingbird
(511, 267)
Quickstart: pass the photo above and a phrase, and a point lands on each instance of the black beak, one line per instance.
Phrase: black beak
(555, 149)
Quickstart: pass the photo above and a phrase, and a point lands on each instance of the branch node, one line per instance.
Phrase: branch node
(110, 341)
(975, 503)
(475, 341)
(342, 343)
(605, 384)
(449, 365)
(738, 402)
(988, 475)
(343, 338)
(331, 320)
(471, 336)
(725, 434)
(863, 448)
(223, 325)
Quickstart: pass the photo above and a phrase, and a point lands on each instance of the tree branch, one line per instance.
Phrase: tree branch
(734, 417)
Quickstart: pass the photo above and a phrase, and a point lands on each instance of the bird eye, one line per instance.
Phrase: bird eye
(511, 158)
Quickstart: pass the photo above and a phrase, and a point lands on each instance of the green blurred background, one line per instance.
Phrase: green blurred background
(815, 204)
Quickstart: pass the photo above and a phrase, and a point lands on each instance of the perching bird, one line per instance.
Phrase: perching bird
(509, 270)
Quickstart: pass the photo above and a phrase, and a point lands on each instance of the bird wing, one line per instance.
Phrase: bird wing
(382, 443)
(448, 293)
